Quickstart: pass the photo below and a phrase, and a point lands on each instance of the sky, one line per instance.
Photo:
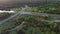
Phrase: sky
(7, 1)
(16, 1)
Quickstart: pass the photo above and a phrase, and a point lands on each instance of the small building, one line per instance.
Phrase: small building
(6, 11)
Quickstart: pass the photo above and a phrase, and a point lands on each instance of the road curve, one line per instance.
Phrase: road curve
(29, 13)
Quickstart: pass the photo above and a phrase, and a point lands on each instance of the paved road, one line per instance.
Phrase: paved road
(51, 20)
(29, 13)
(9, 18)
(15, 15)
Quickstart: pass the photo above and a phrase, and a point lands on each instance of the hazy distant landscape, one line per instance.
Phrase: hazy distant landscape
(19, 3)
